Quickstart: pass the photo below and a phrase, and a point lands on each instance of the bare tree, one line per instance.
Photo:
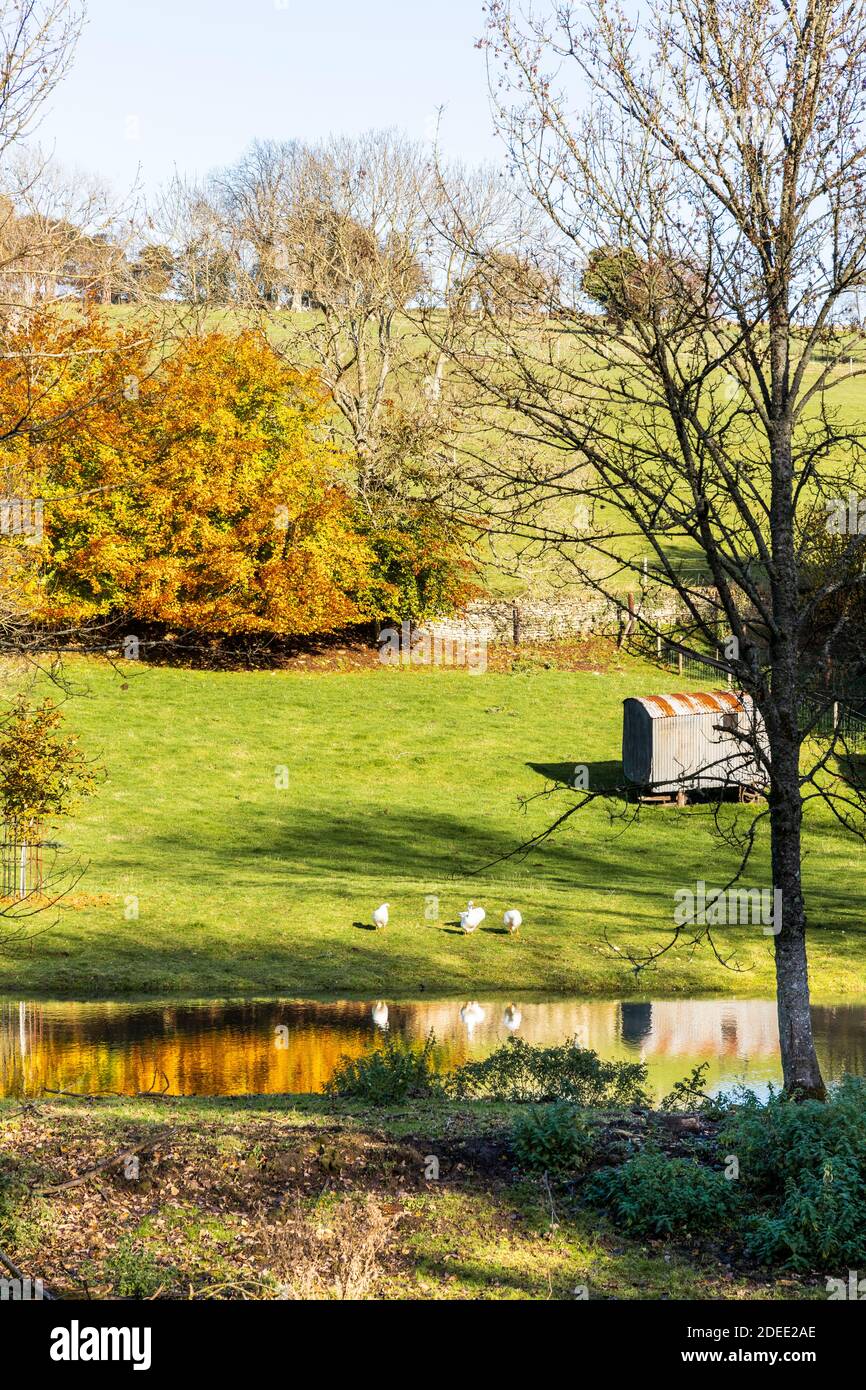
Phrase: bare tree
(61, 234)
(341, 230)
(706, 164)
(37, 41)
(255, 197)
(357, 229)
(204, 256)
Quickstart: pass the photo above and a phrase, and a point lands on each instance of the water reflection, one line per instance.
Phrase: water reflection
(235, 1048)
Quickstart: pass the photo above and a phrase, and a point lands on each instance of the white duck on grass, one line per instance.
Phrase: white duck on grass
(471, 919)
(512, 921)
(380, 916)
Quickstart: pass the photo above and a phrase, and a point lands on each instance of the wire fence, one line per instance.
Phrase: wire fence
(686, 662)
(840, 714)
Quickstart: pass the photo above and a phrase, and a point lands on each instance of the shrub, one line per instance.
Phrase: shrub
(134, 1273)
(821, 1221)
(553, 1139)
(391, 1073)
(800, 1195)
(43, 772)
(517, 1071)
(688, 1094)
(422, 570)
(804, 1168)
(781, 1139)
(652, 1195)
(20, 1218)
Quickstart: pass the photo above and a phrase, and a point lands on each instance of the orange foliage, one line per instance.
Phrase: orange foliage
(195, 491)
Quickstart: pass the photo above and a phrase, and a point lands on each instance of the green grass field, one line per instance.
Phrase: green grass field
(401, 787)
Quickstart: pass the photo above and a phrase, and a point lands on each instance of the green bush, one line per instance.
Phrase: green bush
(781, 1139)
(134, 1273)
(15, 1210)
(553, 1139)
(819, 1223)
(799, 1198)
(689, 1094)
(422, 567)
(391, 1073)
(516, 1071)
(652, 1195)
(803, 1169)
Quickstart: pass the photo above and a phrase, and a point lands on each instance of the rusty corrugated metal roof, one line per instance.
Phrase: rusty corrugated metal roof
(697, 702)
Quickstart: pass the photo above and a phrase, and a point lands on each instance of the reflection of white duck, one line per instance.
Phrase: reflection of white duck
(380, 1014)
(512, 1018)
(471, 919)
(380, 916)
(512, 920)
(472, 1014)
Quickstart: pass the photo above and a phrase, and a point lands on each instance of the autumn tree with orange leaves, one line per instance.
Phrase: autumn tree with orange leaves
(202, 492)
(199, 494)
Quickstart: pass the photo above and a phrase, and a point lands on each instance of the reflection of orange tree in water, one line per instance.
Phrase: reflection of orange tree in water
(88, 1048)
(235, 1049)
(43, 775)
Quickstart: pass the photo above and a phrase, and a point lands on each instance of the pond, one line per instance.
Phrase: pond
(230, 1047)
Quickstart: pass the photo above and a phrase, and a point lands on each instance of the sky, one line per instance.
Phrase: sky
(163, 85)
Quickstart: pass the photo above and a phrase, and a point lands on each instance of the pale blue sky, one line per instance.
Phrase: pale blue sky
(188, 83)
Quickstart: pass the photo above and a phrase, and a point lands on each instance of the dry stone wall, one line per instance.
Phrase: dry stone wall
(551, 618)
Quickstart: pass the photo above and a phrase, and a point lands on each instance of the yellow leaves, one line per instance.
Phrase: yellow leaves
(43, 773)
(205, 499)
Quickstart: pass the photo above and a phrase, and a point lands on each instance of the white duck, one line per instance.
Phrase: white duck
(380, 1014)
(513, 920)
(380, 916)
(471, 919)
(472, 1014)
(512, 1018)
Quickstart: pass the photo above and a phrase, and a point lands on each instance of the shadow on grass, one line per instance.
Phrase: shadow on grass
(479, 1276)
(601, 775)
(852, 766)
(439, 849)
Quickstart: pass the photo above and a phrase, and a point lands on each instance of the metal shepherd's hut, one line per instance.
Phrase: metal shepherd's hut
(673, 745)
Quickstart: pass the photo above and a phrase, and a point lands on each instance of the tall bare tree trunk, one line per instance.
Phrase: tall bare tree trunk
(800, 1069)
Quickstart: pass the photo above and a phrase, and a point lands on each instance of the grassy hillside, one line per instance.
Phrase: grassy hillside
(400, 786)
(508, 566)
